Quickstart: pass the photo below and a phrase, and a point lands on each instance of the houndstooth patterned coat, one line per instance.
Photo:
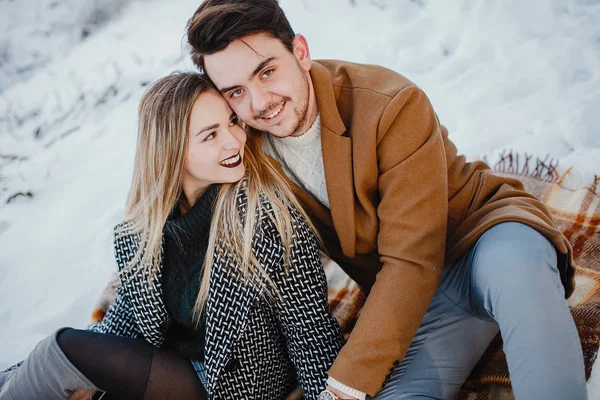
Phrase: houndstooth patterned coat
(255, 348)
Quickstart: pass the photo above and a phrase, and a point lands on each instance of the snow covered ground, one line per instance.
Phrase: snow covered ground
(501, 74)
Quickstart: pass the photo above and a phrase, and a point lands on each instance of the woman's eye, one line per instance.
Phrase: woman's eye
(267, 73)
(210, 136)
(236, 93)
(234, 121)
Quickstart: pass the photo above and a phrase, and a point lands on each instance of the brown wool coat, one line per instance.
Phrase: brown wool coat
(402, 204)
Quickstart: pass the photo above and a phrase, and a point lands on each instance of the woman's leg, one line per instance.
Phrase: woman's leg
(131, 368)
(45, 373)
(118, 365)
(123, 367)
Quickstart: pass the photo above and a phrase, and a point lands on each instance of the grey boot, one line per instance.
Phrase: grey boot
(5, 376)
(46, 373)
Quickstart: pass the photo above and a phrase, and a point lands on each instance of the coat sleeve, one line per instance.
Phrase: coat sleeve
(412, 213)
(119, 319)
(313, 336)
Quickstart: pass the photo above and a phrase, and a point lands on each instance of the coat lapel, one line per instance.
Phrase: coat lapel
(337, 160)
(228, 305)
(227, 309)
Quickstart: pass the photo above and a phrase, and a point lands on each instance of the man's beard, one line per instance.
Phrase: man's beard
(301, 110)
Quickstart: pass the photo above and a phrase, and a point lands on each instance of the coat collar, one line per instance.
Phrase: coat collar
(326, 101)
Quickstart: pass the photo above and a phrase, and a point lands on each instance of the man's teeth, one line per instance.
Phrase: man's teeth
(230, 161)
(274, 113)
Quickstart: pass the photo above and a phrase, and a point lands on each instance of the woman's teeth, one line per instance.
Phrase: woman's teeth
(274, 113)
(231, 160)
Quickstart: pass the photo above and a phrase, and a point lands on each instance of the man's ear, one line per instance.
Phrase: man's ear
(302, 52)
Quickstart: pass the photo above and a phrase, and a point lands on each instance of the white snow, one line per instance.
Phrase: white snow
(501, 74)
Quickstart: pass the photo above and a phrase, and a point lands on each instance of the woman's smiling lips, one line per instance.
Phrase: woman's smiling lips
(231, 162)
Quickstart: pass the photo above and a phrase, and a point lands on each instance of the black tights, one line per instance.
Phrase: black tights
(127, 368)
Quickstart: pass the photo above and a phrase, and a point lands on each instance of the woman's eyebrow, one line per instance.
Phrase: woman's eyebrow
(208, 128)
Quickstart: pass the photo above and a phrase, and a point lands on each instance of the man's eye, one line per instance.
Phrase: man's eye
(236, 93)
(234, 121)
(210, 136)
(267, 73)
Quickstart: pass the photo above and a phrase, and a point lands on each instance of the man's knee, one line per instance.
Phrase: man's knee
(513, 256)
(514, 247)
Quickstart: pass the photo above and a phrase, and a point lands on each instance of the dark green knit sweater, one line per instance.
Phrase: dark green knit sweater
(185, 244)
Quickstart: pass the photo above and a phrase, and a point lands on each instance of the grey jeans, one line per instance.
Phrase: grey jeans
(508, 282)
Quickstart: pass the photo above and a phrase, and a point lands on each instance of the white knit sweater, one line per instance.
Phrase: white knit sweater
(301, 159)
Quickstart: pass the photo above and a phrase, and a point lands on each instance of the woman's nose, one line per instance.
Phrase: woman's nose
(232, 141)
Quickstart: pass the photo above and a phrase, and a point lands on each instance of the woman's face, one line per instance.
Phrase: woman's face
(215, 148)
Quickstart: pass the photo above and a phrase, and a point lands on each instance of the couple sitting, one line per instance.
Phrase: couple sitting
(222, 292)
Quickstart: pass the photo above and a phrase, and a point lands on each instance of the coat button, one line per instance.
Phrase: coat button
(232, 365)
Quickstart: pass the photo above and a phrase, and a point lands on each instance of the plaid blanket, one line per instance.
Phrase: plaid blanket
(575, 206)
(576, 209)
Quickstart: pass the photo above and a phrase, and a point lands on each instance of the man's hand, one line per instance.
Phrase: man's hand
(82, 394)
(341, 395)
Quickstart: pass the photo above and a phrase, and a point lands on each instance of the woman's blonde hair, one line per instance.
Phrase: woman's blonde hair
(164, 118)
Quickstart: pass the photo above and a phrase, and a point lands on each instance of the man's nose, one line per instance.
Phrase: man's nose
(260, 99)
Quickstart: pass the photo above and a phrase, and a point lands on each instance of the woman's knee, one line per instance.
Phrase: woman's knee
(62, 337)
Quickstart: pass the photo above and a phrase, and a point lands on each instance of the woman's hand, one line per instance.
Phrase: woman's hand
(82, 394)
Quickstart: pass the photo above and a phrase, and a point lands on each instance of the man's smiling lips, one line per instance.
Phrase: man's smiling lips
(272, 117)
(231, 162)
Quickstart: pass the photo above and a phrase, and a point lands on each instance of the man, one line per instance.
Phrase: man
(448, 252)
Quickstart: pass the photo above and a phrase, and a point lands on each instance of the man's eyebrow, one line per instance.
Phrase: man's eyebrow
(251, 76)
(259, 67)
(208, 128)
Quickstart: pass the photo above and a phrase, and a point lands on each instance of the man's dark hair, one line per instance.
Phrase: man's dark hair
(217, 23)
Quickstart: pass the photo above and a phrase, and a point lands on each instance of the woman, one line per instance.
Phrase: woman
(218, 265)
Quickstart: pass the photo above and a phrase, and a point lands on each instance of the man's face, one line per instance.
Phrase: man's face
(265, 84)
